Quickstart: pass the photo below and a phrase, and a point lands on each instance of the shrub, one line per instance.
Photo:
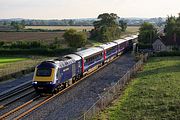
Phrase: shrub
(75, 39)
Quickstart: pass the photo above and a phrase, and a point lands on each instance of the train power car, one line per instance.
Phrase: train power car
(52, 75)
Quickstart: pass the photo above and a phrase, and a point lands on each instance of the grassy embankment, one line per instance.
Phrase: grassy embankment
(6, 60)
(153, 94)
(13, 64)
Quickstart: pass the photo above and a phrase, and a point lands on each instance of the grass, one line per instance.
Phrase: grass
(9, 65)
(6, 60)
(154, 94)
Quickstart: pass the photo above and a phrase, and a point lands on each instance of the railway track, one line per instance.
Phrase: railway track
(38, 101)
(18, 111)
(14, 91)
(15, 94)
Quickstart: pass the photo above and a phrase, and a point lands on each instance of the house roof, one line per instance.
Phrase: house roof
(168, 41)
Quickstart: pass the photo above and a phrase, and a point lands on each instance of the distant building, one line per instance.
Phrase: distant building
(164, 44)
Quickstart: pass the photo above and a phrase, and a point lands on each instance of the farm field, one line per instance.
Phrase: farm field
(48, 36)
(133, 29)
(29, 36)
(79, 28)
(153, 94)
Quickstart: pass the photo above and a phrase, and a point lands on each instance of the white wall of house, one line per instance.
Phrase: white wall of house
(159, 46)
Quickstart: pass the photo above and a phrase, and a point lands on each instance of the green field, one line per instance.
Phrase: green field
(154, 94)
(6, 60)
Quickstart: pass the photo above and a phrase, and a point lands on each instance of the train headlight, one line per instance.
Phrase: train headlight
(34, 82)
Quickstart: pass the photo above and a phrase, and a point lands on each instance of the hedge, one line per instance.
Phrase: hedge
(39, 51)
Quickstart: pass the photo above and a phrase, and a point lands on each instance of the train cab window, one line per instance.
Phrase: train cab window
(58, 75)
(43, 72)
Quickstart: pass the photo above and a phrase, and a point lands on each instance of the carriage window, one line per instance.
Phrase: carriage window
(43, 72)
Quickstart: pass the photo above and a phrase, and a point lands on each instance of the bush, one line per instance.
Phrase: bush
(75, 39)
(27, 45)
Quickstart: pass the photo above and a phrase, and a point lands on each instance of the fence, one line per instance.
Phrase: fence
(109, 96)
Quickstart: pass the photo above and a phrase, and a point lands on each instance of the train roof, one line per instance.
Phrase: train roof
(89, 51)
(73, 56)
(61, 62)
(134, 36)
(119, 41)
(108, 45)
(128, 38)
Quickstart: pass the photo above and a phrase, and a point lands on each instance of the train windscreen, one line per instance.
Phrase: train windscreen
(43, 72)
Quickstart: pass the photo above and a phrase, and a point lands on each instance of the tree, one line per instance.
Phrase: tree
(71, 22)
(22, 24)
(147, 33)
(170, 26)
(123, 25)
(74, 38)
(18, 26)
(106, 28)
(4, 23)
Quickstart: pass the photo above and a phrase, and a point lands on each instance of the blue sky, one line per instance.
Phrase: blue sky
(60, 9)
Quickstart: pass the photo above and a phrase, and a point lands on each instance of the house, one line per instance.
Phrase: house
(164, 44)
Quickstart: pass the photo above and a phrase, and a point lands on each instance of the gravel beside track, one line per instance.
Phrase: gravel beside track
(73, 103)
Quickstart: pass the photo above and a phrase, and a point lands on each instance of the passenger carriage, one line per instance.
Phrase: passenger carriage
(91, 58)
(110, 50)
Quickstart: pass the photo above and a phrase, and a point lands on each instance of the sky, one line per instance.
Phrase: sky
(67, 9)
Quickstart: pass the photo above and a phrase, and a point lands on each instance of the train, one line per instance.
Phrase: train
(54, 75)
